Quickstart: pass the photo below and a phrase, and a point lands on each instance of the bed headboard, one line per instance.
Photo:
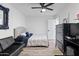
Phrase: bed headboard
(18, 31)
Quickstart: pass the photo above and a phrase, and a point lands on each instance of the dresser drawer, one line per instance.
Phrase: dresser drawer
(59, 37)
(60, 46)
(60, 26)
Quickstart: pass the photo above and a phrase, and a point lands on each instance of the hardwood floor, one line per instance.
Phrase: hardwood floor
(41, 51)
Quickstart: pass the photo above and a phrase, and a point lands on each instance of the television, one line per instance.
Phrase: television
(74, 29)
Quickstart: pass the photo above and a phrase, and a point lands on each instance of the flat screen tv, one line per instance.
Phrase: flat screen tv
(74, 29)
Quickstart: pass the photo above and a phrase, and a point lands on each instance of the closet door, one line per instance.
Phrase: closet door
(52, 28)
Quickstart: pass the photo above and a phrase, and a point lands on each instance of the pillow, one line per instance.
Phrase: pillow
(27, 34)
(10, 41)
(23, 34)
(6, 42)
(31, 34)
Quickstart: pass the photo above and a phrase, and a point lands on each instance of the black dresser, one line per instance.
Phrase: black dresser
(63, 30)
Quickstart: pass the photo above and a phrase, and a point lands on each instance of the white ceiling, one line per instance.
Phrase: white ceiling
(25, 8)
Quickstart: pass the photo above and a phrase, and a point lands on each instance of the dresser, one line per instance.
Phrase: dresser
(70, 30)
(62, 30)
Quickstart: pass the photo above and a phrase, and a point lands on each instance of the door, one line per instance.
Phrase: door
(52, 28)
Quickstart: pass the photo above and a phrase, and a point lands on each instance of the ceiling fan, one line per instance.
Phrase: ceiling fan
(44, 7)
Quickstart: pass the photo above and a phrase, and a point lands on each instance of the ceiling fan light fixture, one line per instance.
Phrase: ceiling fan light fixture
(44, 7)
(43, 10)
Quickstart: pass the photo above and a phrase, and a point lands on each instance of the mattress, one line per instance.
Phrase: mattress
(38, 40)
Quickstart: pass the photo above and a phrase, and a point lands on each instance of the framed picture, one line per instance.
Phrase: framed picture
(4, 17)
(1, 17)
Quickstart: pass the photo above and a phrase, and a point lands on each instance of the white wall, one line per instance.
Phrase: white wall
(70, 10)
(38, 24)
(15, 19)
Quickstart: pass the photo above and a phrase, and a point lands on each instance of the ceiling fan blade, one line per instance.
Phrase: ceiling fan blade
(42, 4)
(49, 4)
(49, 9)
(36, 7)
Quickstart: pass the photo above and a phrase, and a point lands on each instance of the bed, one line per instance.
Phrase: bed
(34, 40)
(38, 40)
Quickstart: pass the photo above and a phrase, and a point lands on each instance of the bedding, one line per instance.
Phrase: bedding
(38, 40)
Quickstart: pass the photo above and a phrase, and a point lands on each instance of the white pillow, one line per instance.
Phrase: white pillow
(23, 34)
